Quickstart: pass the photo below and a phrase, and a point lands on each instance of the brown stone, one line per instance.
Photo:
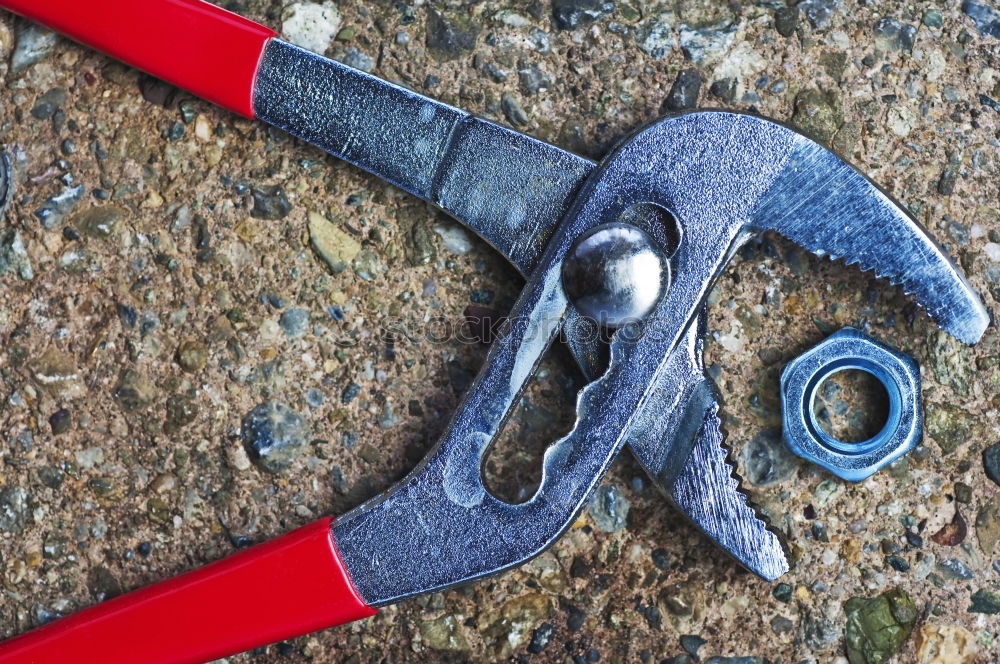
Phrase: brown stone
(192, 356)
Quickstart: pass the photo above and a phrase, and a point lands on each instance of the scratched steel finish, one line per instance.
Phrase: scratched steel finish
(702, 482)
(826, 206)
(512, 190)
(440, 526)
(509, 188)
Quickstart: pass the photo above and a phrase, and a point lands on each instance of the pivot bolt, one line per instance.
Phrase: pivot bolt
(615, 274)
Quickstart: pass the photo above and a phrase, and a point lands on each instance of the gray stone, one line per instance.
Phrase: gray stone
(786, 21)
(781, 625)
(55, 546)
(533, 80)
(819, 12)
(932, 18)
(767, 460)
(893, 35)
(707, 44)
(295, 323)
(274, 435)
(102, 584)
(724, 89)
(955, 570)
(957, 231)
(99, 221)
(609, 509)
(34, 44)
(572, 14)
(540, 638)
(986, 18)
(946, 183)
(387, 418)
(54, 209)
(355, 58)
(691, 643)
(512, 109)
(135, 391)
(684, 92)
(991, 462)
(656, 36)
(269, 202)
(13, 256)
(367, 264)
(448, 37)
(818, 631)
(14, 509)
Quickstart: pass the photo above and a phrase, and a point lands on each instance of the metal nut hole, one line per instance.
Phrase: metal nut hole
(851, 405)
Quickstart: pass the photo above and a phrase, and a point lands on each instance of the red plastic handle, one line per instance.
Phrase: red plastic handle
(197, 46)
(286, 587)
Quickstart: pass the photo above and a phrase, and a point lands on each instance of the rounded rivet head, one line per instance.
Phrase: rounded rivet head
(615, 274)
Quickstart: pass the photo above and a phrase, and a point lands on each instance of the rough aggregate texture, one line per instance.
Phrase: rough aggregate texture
(165, 267)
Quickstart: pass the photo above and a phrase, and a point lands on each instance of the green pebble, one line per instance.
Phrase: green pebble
(878, 627)
(985, 601)
(897, 563)
(782, 592)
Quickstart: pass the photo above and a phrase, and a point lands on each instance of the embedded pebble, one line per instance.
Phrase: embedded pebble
(54, 209)
(609, 509)
(767, 459)
(985, 17)
(337, 248)
(311, 25)
(893, 35)
(878, 627)
(274, 435)
(99, 221)
(513, 111)
(819, 12)
(991, 462)
(456, 239)
(135, 391)
(656, 37)
(294, 322)
(705, 45)
(684, 92)
(946, 644)
(985, 601)
(13, 256)
(34, 44)
(56, 373)
(573, 14)
(192, 355)
(270, 203)
(14, 509)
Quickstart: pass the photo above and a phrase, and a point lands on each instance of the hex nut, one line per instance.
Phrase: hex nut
(851, 349)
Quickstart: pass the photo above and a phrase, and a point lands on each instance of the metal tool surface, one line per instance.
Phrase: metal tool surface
(511, 190)
(722, 177)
